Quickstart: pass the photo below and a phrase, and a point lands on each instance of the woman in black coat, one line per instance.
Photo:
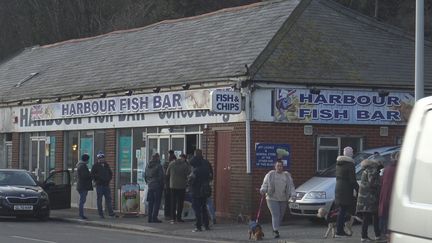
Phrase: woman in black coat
(346, 183)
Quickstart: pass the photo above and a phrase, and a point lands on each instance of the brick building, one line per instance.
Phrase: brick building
(313, 77)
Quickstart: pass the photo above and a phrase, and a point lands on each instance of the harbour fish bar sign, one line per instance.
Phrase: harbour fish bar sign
(223, 101)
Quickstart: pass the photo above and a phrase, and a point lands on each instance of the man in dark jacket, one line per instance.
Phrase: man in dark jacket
(346, 183)
(84, 183)
(154, 177)
(202, 174)
(102, 175)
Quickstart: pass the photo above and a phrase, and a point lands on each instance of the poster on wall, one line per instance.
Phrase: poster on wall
(141, 164)
(267, 154)
(52, 153)
(130, 199)
(125, 153)
(86, 147)
(333, 106)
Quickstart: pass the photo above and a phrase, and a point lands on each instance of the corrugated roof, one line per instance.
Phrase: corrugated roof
(211, 46)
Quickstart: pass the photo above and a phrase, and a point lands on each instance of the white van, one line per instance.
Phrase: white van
(411, 204)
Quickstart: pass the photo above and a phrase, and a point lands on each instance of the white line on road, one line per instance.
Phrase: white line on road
(157, 235)
(32, 239)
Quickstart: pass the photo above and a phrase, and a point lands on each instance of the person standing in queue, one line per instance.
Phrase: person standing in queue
(154, 177)
(346, 183)
(177, 174)
(199, 181)
(84, 183)
(102, 175)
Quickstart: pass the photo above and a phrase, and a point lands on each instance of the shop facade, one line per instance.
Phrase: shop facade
(308, 86)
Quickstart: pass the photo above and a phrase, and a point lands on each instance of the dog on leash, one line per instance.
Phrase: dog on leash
(255, 231)
(331, 218)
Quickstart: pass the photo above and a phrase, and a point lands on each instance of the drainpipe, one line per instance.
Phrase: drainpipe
(247, 94)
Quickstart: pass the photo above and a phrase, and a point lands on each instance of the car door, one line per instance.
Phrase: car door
(58, 187)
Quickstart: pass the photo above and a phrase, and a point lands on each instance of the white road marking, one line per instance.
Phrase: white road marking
(156, 235)
(32, 239)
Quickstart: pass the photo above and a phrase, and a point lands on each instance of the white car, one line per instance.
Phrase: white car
(319, 191)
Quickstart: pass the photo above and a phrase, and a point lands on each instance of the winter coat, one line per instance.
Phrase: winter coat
(278, 194)
(386, 189)
(177, 173)
(84, 179)
(368, 196)
(154, 175)
(201, 175)
(101, 173)
(346, 182)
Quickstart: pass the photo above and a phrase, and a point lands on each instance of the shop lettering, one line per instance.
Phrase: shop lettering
(166, 101)
(191, 114)
(325, 114)
(378, 115)
(25, 120)
(347, 99)
(361, 115)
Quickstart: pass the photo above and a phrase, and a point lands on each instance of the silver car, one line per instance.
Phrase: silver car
(319, 191)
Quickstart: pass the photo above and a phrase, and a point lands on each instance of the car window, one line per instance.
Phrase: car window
(16, 178)
(331, 171)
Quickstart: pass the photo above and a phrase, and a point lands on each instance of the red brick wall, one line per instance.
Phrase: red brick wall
(15, 150)
(303, 148)
(110, 157)
(59, 150)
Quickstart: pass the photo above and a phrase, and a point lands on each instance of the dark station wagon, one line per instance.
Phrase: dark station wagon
(22, 196)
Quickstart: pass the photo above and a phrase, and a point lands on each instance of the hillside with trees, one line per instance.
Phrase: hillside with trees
(26, 23)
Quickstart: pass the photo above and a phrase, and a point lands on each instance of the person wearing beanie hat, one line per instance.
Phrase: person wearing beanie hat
(346, 183)
(102, 175)
(84, 183)
(348, 151)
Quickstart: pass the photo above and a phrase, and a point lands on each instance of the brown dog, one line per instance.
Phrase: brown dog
(331, 217)
(255, 231)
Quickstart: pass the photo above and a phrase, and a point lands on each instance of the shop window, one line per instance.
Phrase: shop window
(71, 150)
(194, 128)
(86, 146)
(331, 147)
(25, 151)
(125, 156)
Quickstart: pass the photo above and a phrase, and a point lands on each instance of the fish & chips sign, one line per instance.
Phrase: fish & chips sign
(342, 106)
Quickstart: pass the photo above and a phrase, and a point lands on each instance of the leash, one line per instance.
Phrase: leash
(259, 209)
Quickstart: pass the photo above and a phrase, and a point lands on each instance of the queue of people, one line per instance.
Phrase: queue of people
(168, 181)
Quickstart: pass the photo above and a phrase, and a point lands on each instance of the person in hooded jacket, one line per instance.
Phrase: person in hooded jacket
(154, 177)
(202, 174)
(346, 183)
(368, 197)
(84, 183)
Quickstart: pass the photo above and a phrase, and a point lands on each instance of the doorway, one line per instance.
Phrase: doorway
(223, 172)
(38, 161)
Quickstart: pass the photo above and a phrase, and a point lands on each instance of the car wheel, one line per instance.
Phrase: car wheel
(44, 217)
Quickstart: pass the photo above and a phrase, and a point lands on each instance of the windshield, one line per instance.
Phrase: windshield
(331, 171)
(16, 178)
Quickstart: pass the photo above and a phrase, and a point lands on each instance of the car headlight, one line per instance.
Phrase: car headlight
(316, 195)
(44, 195)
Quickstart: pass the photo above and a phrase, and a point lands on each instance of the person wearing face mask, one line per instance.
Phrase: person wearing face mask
(278, 187)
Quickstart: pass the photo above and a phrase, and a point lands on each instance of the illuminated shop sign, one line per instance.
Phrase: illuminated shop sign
(342, 107)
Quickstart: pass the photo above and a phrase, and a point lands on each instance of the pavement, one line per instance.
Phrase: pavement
(293, 230)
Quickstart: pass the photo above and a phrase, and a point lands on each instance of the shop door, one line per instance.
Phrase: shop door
(223, 173)
(38, 160)
(158, 144)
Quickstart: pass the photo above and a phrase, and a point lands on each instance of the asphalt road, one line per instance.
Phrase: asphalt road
(33, 231)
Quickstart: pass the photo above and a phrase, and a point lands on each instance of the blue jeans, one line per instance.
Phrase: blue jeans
(154, 201)
(104, 191)
(82, 200)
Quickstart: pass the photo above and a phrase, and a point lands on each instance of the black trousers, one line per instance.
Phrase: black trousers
(177, 201)
(167, 203)
(199, 204)
(367, 218)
